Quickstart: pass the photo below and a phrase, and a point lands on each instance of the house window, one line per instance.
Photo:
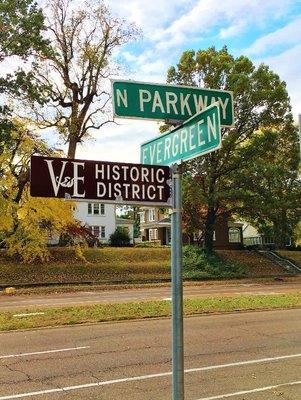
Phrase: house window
(96, 209)
(142, 216)
(153, 234)
(95, 230)
(151, 215)
(234, 235)
(103, 232)
(99, 231)
(168, 236)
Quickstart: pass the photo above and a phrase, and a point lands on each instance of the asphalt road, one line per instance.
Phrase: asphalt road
(143, 294)
(242, 356)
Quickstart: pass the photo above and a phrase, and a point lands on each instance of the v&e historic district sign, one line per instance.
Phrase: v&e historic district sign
(160, 102)
(98, 180)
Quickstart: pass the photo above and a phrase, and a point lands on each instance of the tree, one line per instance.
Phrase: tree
(83, 41)
(26, 222)
(297, 234)
(120, 238)
(131, 212)
(260, 100)
(21, 28)
(269, 186)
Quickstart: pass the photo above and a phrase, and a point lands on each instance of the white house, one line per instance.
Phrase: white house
(100, 217)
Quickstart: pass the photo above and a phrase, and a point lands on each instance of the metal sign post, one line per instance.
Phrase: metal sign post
(177, 286)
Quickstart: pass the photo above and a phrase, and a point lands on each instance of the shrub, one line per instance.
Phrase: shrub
(148, 244)
(76, 233)
(120, 238)
(199, 265)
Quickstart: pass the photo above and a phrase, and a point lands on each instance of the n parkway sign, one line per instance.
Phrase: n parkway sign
(195, 137)
(107, 182)
(168, 102)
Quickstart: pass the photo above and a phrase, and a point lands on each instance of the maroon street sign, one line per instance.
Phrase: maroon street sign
(109, 182)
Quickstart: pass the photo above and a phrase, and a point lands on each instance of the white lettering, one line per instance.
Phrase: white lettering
(157, 102)
(159, 150)
(184, 104)
(211, 128)
(175, 146)
(171, 99)
(122, 97)
(134, 173)
(101, 186)
(167, 145)
(144, 155)
(116, 173)
(160, 172)
(144, 174)
(152, 151)
(76, 178)
(126, 190)
(151, 197)
(200, 102)
(160, 188)
(135, 191)
(56, 183)
(223, 104)
(125, 171)
(99, 171)
(191, 138)
(143, 99)
(184, 136)
(200, 132)
(117, 190)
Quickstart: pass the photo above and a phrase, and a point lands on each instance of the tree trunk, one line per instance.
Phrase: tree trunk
(209, 229)
(72, 146)
(23, 179)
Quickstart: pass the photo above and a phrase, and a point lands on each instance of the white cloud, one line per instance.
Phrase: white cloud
(152, 16)
(288, 35)
(285, 66)
(207, 15)
(232, 30)
(119, 143)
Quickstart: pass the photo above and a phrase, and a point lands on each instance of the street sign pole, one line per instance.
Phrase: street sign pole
(177, 286)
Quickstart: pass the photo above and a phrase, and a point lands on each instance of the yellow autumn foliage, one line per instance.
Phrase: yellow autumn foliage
(27, 223)
(38, 220)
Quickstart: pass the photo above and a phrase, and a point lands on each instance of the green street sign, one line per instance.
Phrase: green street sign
(167, 102)
(197, 136)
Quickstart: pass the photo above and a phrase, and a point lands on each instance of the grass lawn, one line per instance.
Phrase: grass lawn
(101, 265)
(150, 309)
(128, 265)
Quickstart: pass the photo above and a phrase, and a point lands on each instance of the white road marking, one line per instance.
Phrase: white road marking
(248, 362)
(262, 389)
(44, 352)
(160, 375)
(28, 314)
(167, 299)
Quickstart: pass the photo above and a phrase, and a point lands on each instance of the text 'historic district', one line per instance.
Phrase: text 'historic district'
(98, 180)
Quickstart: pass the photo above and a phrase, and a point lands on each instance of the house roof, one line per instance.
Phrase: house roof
(124, 221)
(163, 223)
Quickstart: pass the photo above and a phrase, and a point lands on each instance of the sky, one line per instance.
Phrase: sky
(266, 31)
